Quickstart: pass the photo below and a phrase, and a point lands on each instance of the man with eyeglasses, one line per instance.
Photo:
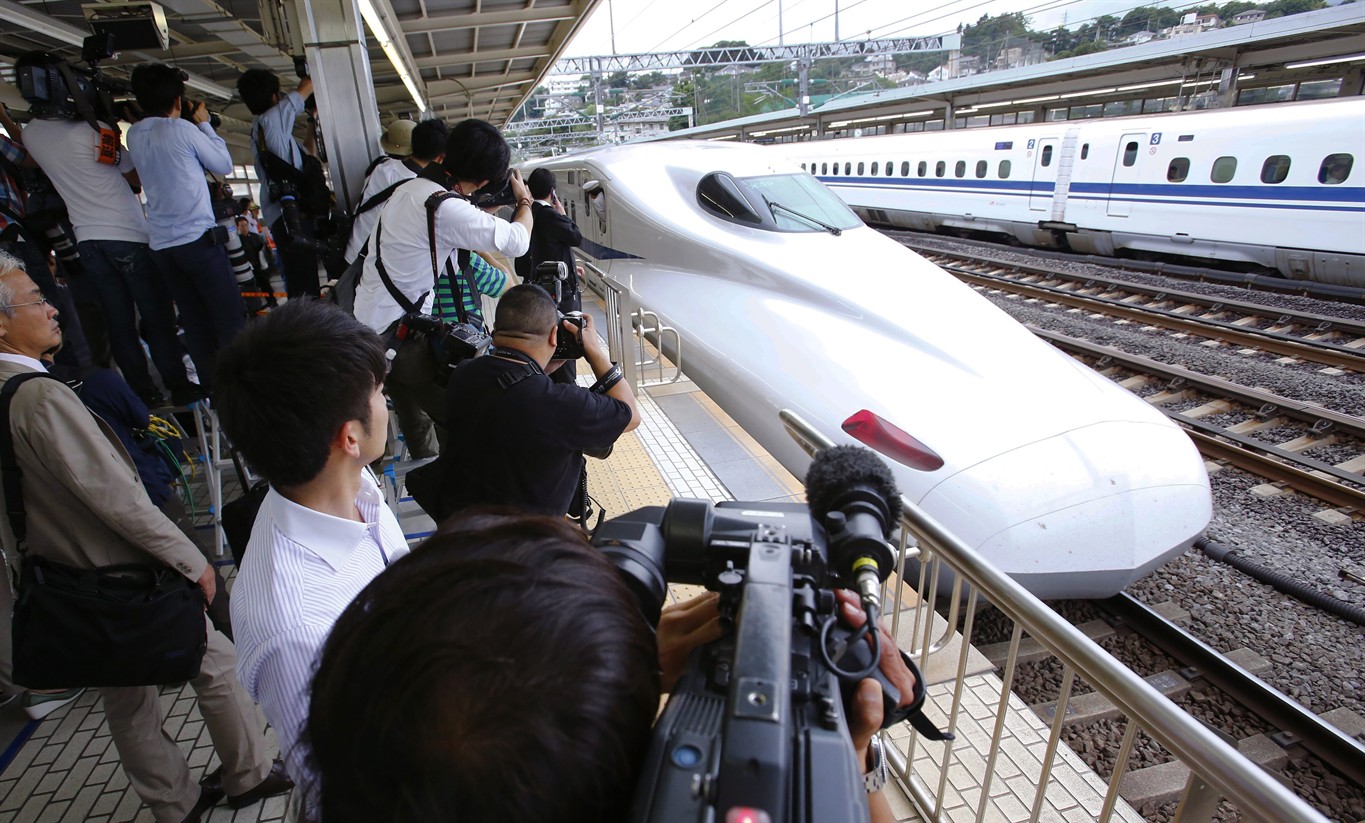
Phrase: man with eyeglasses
(323, 530)
(87, 508)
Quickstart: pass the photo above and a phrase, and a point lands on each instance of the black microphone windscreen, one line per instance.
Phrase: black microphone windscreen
(836, 469)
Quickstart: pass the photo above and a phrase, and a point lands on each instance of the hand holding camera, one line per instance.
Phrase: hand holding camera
(519, 189)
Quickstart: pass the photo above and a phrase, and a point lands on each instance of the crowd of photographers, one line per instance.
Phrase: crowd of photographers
(499, 671)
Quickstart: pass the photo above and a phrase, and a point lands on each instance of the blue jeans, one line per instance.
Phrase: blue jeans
(125, 282)
(211, 307)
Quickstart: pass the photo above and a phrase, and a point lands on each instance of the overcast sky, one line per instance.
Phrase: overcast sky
(673, 25)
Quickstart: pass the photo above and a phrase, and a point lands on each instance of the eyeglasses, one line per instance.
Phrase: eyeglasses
(39, 302)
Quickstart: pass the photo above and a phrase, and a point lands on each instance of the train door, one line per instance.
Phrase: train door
(1127, 163)
(1044, 151)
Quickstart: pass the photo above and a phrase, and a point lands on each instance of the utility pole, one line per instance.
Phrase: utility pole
(611, 21)
(779, 23)
(836, 21)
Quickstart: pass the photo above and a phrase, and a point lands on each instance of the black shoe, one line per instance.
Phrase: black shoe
(213, 780)
(208, 798)
(277, 782)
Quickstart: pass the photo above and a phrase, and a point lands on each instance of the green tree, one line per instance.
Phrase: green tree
(1284, 8)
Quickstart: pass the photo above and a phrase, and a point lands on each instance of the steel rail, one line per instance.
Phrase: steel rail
(1263, 465)
(1265, 401)
(1343, 752)
(1328, 354)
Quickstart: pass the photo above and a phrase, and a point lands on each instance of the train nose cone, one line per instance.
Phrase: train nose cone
(1116, 495)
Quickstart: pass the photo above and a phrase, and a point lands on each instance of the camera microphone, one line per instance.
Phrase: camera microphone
(853, 495)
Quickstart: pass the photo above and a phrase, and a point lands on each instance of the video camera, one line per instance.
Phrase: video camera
(551, 276)
(57, 90)
(757, 722)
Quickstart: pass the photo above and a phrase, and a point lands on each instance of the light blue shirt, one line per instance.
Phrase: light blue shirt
(172, 155)
(278, 125)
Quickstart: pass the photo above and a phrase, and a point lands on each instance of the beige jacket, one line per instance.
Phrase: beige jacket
(86, 506)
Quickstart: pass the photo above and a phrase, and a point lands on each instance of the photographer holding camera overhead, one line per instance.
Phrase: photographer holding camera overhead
(294, 188)
(427, 231)
(188, 246)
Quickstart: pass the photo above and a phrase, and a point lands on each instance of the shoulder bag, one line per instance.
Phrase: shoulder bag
(130, 624)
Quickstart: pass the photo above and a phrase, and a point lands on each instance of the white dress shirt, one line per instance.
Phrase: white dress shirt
(98, 198)
(302, 568)
(383, 176)
(407, 254)
(172, 155)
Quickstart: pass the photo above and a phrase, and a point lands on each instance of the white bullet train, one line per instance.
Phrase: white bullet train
(785, 299)
(1280, 186)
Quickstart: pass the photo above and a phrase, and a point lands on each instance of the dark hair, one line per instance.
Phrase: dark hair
(284, 387)
(156, 87)
(541, 183)
(258, 88)
(429, 139)
(502, 671)
(525, 309)
(476, 151)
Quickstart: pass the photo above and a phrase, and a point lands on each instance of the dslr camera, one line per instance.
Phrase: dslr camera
(757, 723)
(551, 276)
(451, 343)
(495, 193)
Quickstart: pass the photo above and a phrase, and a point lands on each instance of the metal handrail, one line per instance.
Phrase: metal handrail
(1213, 761)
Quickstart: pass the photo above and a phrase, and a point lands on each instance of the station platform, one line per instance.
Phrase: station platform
(65, 767)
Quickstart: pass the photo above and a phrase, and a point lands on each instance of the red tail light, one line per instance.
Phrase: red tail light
(884, 437)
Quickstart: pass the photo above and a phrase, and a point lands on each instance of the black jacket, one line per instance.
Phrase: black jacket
(552, 235)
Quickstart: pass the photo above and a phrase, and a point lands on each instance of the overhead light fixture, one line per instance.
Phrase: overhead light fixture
(1350, 58)
(376, 24)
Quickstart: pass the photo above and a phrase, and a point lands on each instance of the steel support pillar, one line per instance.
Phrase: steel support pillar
(334, 42)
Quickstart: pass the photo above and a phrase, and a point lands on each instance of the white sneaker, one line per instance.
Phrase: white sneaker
(38, 706)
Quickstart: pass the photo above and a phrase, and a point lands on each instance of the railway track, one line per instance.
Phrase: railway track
(1205, 399)
(1333, 342)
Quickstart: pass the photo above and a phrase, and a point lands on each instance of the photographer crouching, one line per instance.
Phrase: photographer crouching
(522, 434)
(420, 245)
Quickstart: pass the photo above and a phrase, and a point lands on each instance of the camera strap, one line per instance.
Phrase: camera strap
(464, 282)
(401, 299)
(110, 148)
(530, 367)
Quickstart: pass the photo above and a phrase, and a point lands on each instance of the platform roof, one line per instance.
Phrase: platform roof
(471, 58)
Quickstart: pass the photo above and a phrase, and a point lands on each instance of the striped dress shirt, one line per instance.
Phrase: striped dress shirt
(301, 569)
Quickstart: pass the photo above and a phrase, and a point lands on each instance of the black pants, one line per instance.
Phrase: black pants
(300, 262)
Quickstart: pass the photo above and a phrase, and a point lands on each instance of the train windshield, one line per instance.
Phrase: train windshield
(778, 202)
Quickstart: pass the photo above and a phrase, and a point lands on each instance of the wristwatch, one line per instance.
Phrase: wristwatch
(875, 779)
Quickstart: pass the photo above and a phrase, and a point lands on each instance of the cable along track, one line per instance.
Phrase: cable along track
(1331, 341)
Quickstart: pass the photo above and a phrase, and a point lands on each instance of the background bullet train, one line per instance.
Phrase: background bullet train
(1279, 186)
(1067, 482)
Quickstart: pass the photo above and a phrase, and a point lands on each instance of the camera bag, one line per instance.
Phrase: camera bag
(309, 182)
(129, 624)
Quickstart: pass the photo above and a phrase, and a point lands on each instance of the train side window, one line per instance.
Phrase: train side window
(824, 168)
(981, 166)
(860, 169)
(1223, 169)
(1047, 155)
(874, 168)
(1275, 168)
(1085, 150)
(1130, 152)
(572, 178)
(1178, 170)
(848, 169)
(960, 168)
(940, 168)
(888, 168)
(905, 168)
(1335, 169)
(1004, 170)
(803, 167)
(923, 168)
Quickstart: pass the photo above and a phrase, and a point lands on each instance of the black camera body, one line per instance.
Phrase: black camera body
(187, 107)
(451, 343)
(551, 276)
(757, 722)
(570, 346)
(494, 193)
(50, 94)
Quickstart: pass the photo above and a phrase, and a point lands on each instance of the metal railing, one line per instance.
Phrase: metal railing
(1018, 748)
(627, 327)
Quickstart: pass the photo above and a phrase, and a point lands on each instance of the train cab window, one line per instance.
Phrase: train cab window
(1004, 169)
(1335, 169)
(1047, 155)
(1178, 170)
(940, 168)
(1085, 150)
(923, 168)
(778, 202)
(1223, 169)
(981, 166)
(860, 169)
(875, 166)
(848, 169)
(1275, 168)
(960, 168)
(1130, 152)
